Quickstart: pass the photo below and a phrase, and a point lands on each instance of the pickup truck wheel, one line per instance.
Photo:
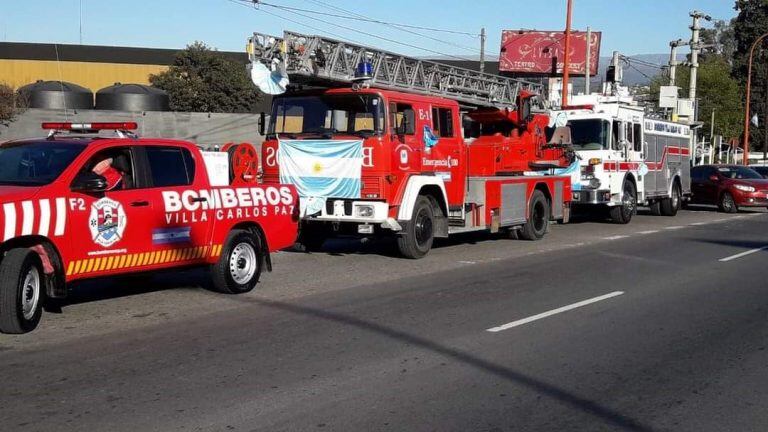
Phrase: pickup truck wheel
(622, 214)
(239, 267)
(22, 289)
(671, 205)
(416, 240)
(538, 218)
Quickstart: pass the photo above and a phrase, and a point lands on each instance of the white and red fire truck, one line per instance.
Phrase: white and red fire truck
(379, 143)
(83, 205)
(627, 158)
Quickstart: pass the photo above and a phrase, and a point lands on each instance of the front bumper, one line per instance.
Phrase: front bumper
(355, 212)
(591, 196)
(750, 199)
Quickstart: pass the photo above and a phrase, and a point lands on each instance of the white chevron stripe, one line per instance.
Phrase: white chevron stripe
(61, 216)
(45, 217)
(10, 221)
(29, 217)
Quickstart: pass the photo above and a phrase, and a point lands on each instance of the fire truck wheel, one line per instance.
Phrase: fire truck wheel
(622, 214)
(656, 208)
(22, 290)
(417, 238)
(727, 204)
(671, 205)
(538, 218)
(240, 265)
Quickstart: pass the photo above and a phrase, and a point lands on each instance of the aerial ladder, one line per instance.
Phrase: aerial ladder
(320, 61)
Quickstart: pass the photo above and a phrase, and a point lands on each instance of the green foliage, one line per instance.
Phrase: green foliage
(203, 80)
(749, 25)
(11, 104)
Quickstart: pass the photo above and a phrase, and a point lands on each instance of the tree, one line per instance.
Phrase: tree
(749, 25)
(203, 80)
(11, 104)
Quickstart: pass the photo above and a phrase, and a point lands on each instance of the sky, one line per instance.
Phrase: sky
(629, 26)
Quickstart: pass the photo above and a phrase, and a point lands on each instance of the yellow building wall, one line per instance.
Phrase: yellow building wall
(93, 76)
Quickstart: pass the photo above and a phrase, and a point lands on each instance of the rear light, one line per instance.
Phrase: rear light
(91, 126)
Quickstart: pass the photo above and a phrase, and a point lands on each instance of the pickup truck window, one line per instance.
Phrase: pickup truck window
(35, 163)
(170, 166)
(115, 165)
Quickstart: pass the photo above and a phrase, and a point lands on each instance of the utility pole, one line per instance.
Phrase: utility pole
(617, 74)
(588, 63)
(482, 49)
(695, 50)
(673, 63)
(567, 54)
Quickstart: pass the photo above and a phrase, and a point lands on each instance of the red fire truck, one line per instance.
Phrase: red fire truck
(378, 143)
(79, 205)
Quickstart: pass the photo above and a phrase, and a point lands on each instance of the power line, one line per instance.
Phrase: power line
(357, 17)
(240, 3)
(363, 18)
(247, 3)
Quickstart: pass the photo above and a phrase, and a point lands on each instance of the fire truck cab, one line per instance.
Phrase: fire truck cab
(627, 159)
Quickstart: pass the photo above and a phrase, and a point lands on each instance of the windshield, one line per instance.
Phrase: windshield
(589, 134)
(36, 163)
(328, 114)
(739, 173)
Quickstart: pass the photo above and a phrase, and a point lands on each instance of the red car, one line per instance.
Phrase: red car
(84, 206)
(729, 187)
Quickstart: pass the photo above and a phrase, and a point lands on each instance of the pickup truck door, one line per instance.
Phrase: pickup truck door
(109, 231)
(182, 215)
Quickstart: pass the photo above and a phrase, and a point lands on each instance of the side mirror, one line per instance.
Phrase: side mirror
(524, 110)
(262, 123)
(89, 182)
(714, 178)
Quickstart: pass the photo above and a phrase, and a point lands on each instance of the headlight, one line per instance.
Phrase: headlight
(594, 183)
(744, 188)
(364, 211)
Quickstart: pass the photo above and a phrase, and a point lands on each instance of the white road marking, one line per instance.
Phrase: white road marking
(29, 217)
(554, 312)
(674, 227)
(699, 223)
(61, 216)
(10, 221)
(616, 237)
(743, 254)
(648, 232)
(45, 217)
(467, 262)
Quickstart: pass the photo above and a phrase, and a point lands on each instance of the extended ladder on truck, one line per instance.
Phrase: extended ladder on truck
(443, 149)
(321, 61)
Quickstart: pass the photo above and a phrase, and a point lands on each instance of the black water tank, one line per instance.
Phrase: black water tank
(57, 95)
(131, 97)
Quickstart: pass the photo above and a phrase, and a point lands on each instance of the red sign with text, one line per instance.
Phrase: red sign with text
(537, 52)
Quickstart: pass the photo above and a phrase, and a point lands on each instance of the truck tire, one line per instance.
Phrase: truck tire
(655, 207)
(538, 217)
(671, 205)
(622, 214)
(240, 264)
(312, 240)
(416, 240)
(727, 203)
(22, 290)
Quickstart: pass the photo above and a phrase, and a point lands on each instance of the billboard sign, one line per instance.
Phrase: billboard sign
(538, 52)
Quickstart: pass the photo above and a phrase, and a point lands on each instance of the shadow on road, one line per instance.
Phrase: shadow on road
(602, 412)
(744, 244)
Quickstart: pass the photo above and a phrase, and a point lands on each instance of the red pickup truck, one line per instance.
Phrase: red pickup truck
(78, 206)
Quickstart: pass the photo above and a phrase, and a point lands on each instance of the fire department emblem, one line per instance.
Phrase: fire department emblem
(107, 222)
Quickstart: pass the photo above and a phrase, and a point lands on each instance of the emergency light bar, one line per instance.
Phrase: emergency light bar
(91, 126)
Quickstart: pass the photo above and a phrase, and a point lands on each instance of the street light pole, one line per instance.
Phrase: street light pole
(749, 89)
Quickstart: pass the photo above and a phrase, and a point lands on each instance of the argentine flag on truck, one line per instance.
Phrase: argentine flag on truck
(321, 169)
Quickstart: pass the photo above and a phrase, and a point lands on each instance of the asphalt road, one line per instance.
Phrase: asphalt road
(658, 325)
